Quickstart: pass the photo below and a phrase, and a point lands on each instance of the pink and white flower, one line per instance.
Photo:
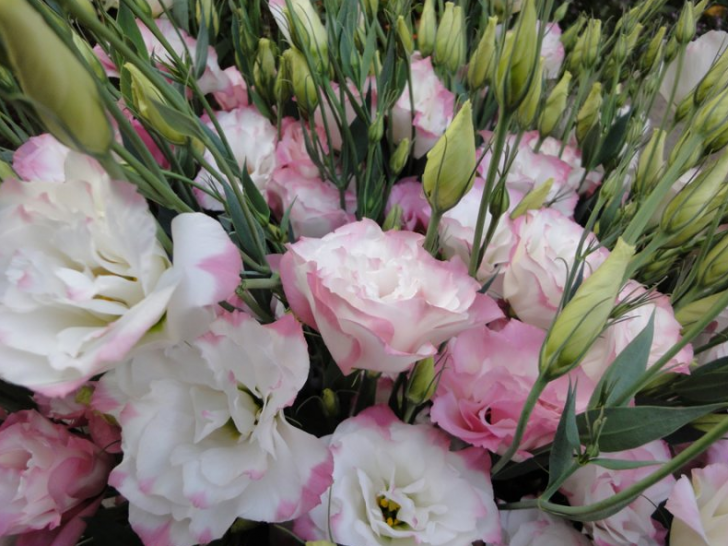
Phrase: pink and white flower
(538, 528)
(379, 300)
(234, 94)
(252, 140)
(46, 472)
(552, 51)
(204, 436)
(291, 148)
(398, 484)
(430, 112)
(535, 278)
(632, 526)
(41, 157)
(409, 195)
(80, 287)
(700, 507)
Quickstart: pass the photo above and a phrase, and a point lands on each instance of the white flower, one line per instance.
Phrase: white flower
(83, 277)
(204, 437)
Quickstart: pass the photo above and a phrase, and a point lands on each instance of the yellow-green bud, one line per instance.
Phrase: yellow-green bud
(711, 121)
(400, 156)
(393, 220)
(146, 9)
(533, 200)
(283, 86)
(671, 49)
(449, 172)
(264, 68)
(206, 9)
(707, 423)
(555, 106)
(422, 382)
(696, 151)
(653, 53)
(685, 30)
(571, 35)
(307, 32)
(588, 115)
(700, 8)
(330, 403)
(427, 30)
(716, 78)
(89, 56)
(405, 36)
(376, 130)
(62, 89)
(499, 201)
(450, 40)
(304, 87)
(633, 36)
(583, 319)
(685, 215)
(480, 69)
(517, 63)
(651, 163)
(527, 110)
(586, 51)
(713, 270)
(144, 95)
(6, 171)
(84, 395)
(696, 310)
(560, 12)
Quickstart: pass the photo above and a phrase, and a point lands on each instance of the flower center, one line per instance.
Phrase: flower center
(390, 510)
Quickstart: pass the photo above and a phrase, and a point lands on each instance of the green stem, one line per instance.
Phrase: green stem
(261, 284)
(430, 243)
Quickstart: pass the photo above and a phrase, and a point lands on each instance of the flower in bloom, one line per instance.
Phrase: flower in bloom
(534, 280)
(538, 528)
(80, 287)
(204, 436)
(235, 92)
(552, 51)
(487, 376)
(633, 525)
(379, 300)
(398, 484)
(700, 507)
(252, 140)
(291, 148)
(430, 111)
(46, 472)
(409, 195)
(41, 158)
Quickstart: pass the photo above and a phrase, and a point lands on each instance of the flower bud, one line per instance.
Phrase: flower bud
(89, 56)
(685, 30)
(588, 115)
(207, 15)
(400, 156)
(283, 86)
(696, 310)
(499, 201)
(570, 36)
(586, 51)
(517, 63)
(671, 49)
(651, 163)
(533, 200)
(405, 36)
(376, 130)
(307, 32)
(6, 171)
(264, 69)
(480, 69)
(653, 53)
(62, 89)
(696, 151)
(716, 78)
(584, 318)
(449, 172)
(393, 220)
(560, 12)
(527, 110)
(713, 270)
(555, 106)
(144, 95)
(304, 87)
(450, 40)
(633, 36)
(427, 30)
(711, 122)
(330, 403)
(422, 382)
(685, 215)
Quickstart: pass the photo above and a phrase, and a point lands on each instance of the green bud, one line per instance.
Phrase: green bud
(449, 172)
(671, 49)
(633, 36)
(283, 86)
(144, 95)
(586, 51)
(700, 8)
(651, 163)
(696, 310)
(405, 36)
(304, 87)
(307, 32)
(62, 89)
(711, 121)
(376, 130)
(533, 200)
(427, 30)
(653, 53)
(555, 106)
(330, 403)
(264, 68)
(400, 156)
(146, 9)
(713, 270)
(393, 220)
(696, 151)
(527, 110)
(89, 56)
(499, 201)
(570, 36)
(584, 318)
(480, 69)
(685, 30)
(422, 382)
(450, 40)
(688, 212)
(560, 12)
(716, 78)
(206, 9)
(6, 171)
(517, 63)
(84, 395)
(588, 115)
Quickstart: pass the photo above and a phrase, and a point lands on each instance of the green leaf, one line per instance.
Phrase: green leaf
(260, 207)
(242, 231)
(589, 146)
(622, 464)
(707, 384)
(180, 122)
(131, 33)
(631, 427)
(614, 140)
(622, 375)
(566, 441)
(203, 41)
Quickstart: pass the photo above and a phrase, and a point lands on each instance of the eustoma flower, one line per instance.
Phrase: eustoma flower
(83, 277)
(397, 484)
(204, 437)
(380, 301)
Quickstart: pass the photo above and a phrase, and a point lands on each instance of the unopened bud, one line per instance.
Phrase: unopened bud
(427, 30)
(586, 50)
(517, 63)
(283, 86)
(500, 201)
(450, 41)
(555, 106)
(711, 122)
(533, 200)
(307, 32)
(422, 382)
(570, 36)
(304, 87)
(713, 270)
(62, 89)
(6, 171)
(449, 172)
(584, 318)
(560, 12)
(207, 15)
(480, 69)
(685, 30)
(400, 156)
(716, 78)
(405, 36)
(89, 56)
(588, 115)
(651, 163)
(319, 543)
(653, 53)
(376, 130)
(671, 49)
(696, 310)
(527, 110)
(264, 69)
(393, 220)
(330, 403)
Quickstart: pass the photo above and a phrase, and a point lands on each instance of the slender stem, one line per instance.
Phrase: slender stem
(430, 243)
(261, 284)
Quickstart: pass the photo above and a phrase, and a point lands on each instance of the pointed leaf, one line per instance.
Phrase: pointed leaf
(565, 443)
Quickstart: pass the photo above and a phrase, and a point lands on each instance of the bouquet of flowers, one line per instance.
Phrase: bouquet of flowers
(362, 272)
